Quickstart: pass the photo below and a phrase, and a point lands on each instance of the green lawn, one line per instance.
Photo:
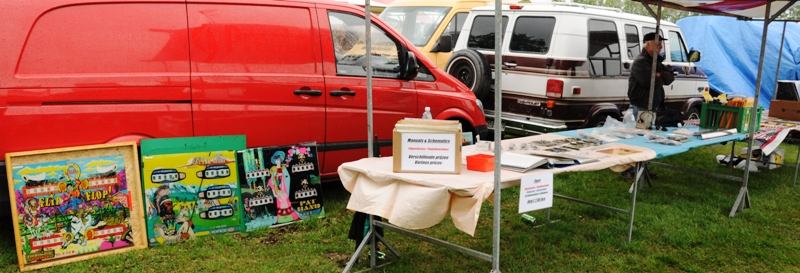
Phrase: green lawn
(681, 226)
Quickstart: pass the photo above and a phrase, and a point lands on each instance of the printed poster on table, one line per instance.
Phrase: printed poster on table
(74, 203)
(428, 152)
(536, 192)
(280, 185)
(191, 187)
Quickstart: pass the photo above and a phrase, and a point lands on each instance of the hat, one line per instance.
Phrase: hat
(652, 36)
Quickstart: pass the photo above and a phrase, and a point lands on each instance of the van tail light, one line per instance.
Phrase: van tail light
(515, 7)
(576, 90)
(551, 104)
(555, 88)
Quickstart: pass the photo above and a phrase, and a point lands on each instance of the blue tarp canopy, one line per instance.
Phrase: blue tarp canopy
(730, 50)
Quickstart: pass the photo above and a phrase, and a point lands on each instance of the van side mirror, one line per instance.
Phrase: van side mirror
(445, 44)
(694, 56)
(409, 67)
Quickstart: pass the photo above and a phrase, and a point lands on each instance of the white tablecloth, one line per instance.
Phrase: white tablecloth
(417, 201)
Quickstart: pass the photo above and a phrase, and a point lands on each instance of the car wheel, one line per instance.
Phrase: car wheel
(597, 120)
(693, 113)
(470, 68)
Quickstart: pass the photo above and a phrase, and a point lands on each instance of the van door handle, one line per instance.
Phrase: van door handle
(339, 93)
(308, 92)
(510, 64)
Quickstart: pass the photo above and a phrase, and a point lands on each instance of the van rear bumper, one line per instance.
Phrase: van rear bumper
(525, 125)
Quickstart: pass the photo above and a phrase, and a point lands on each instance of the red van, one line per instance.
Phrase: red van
(76, 72)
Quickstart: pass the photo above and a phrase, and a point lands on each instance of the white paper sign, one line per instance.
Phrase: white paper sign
(428, 152)
(536, 192)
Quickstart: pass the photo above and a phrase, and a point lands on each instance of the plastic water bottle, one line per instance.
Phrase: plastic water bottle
(427, 113)
(528, 218)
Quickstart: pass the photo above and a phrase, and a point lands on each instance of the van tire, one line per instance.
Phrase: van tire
(470, 68)
(692, 111)
(598, 120)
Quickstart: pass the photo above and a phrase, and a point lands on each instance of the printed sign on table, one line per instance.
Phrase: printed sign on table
(428, 152)
(280, 185)
(536, 192)
(75, 203)
(191, 187)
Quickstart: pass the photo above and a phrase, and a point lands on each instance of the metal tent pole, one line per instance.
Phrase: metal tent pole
(498, 108)
(654, 66)
(370, 121)
(780, 57)
(743, 199)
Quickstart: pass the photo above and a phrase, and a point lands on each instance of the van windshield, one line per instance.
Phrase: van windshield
(415, 23)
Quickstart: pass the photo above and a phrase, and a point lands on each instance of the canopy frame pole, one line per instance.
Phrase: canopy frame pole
(657, 16)
(743, 199)
(780, 58)
(498, 109)
(780, 11)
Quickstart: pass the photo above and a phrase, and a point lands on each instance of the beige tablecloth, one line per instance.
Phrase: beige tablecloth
(417, 201)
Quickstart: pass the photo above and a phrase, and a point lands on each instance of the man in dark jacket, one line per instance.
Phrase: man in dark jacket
(639, 81)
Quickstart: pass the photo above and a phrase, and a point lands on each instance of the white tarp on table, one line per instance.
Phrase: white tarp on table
(417, 201)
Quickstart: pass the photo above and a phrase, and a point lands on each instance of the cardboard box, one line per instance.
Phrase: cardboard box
(427, 146)
(785, 109)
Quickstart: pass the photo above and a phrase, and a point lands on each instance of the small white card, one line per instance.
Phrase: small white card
(536, 192)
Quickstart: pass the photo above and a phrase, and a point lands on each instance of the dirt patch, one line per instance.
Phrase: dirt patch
(276, 235)
(338, 258)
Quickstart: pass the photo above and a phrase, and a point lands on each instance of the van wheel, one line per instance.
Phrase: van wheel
(466, 127)
(693, 113)
(597, 120)
(470, 68)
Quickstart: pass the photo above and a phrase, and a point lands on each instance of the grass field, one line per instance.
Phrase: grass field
(681, 226)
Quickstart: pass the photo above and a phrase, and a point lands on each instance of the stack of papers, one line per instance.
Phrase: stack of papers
(520, 162)
(719, 133)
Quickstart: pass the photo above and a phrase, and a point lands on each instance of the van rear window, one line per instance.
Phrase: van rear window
(632, 40)
(532, 34)
(482, 34)
(604, 49)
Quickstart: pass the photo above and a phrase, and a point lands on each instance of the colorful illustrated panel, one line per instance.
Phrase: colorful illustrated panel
(280, 185)
(190, 194)
(70, 205)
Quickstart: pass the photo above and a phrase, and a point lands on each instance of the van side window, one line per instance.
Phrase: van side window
(347, 31)
(415, 23)
(532, 34)
(604, 51)
(482, 34)
(632, 40)
(454, 27)
(677, 50)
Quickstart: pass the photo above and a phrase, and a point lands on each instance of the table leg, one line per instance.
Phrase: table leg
(373, 252)
(733, 152)
(548, 215)
(359, 249)
(639, 171)
(796, 167)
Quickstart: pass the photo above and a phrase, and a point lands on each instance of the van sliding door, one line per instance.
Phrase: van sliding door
(256, 71)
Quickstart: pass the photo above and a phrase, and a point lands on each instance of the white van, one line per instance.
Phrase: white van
(567, 65)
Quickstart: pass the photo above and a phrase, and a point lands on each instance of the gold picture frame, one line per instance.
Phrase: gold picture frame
(76, 203)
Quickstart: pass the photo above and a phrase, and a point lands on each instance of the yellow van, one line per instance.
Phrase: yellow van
(433, 26)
